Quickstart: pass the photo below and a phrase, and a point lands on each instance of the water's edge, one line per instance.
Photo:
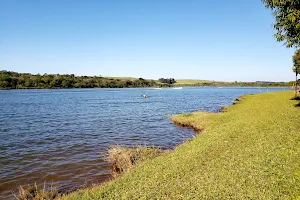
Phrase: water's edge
(58, 135)
(195, 131)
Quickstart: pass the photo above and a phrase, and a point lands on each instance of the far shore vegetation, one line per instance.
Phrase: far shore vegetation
(14, 80)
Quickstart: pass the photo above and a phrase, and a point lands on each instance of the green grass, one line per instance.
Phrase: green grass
(252, 151)
(197, 120)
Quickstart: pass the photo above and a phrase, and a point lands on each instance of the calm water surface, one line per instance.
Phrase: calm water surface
(59, 136)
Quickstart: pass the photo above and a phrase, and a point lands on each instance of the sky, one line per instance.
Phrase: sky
(220, 40)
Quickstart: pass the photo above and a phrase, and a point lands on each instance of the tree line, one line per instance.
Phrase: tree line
(14, 80)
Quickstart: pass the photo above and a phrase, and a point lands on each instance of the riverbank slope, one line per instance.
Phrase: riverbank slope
(249, 151)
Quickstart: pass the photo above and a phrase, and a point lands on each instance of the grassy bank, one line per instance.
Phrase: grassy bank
(251, 151)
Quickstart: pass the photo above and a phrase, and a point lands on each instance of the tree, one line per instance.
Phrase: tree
(296, 68)
(4, 84)
(167, 80)
(287, 20)
(28, 83)
(66, 84)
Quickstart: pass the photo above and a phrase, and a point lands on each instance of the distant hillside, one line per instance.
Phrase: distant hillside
(194, 82)
(14, 80)
(191, 81)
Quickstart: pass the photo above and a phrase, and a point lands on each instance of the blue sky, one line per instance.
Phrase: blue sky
(228, 40)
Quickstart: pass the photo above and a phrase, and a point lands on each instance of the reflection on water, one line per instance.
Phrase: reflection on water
(59, 136)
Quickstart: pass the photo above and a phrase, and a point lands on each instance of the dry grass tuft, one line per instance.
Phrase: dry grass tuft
(34, 192)
(122, 159)
(224, 109)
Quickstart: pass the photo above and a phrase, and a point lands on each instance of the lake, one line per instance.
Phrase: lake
(60, 136)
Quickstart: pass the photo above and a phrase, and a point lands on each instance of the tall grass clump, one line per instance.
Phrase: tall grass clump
(34, 192)
(122, 159)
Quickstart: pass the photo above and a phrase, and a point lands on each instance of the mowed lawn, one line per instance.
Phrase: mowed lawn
(252, 151)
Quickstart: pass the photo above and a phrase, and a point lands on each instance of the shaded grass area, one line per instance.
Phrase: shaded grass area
(252, 151)
(297, 99)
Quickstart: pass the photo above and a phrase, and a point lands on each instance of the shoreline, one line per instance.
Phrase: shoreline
(112, 175)
(183, 122)
(183, 152)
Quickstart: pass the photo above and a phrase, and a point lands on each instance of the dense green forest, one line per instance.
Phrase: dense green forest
(14, 80)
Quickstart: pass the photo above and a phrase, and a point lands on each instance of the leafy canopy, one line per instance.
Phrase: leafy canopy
(287, 20)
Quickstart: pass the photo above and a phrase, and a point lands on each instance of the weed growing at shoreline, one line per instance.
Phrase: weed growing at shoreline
(122, 159)
(34, 192)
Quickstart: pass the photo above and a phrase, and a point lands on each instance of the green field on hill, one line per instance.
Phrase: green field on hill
(251, 151)
(191, 82)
